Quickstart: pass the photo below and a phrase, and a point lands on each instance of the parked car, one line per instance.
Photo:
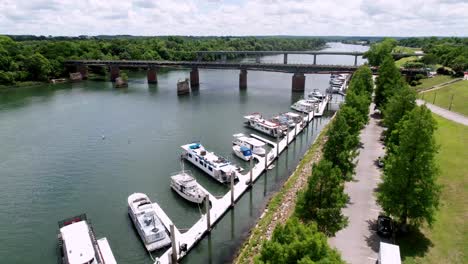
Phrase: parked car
(384, 226)
(380, 162)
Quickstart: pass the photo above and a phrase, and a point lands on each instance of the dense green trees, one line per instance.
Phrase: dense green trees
(409, 191)
(323, 198)
(388, 82)
(379, 51)
(398, 105)
(295, 242)
(15, 56)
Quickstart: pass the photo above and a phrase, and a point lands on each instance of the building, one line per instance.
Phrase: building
(465, 77)
(389, 254)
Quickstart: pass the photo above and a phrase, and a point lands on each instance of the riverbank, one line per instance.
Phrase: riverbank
(282, 204)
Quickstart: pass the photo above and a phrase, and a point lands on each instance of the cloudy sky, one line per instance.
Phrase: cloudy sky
(235, 17)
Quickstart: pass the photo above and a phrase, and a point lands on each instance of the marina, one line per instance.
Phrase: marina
(182, 243)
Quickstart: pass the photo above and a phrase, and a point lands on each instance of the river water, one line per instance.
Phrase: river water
(84, 147)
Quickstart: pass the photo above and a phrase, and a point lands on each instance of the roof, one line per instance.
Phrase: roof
(252, 141)
(389, 254)
(77, 242)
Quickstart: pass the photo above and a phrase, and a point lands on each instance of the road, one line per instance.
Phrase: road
(358, 242)
(455, 117)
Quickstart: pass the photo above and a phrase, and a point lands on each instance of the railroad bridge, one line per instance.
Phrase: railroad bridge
(298, 70)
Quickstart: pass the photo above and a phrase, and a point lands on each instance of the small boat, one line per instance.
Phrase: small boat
(257, 146)
(144, 216)
(216, 166)
(78, 244)
(317, 94)
(242, 152)
(304, 106)
(186, 186)
(290, 119)
(271, 128)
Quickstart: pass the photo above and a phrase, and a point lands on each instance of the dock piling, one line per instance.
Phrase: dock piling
(251, 170)
(207, 208)
(266, 161)
(277, 146)
(232, 190)
(287, 137)
(173, 245)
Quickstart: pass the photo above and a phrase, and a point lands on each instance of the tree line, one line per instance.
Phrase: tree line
(409, 191)
(450, 52)
(317, 215)
(42, 59)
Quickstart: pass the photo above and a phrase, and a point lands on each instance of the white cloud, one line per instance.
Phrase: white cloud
(230, 17)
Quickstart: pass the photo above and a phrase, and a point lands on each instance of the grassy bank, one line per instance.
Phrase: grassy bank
(266, 223)
(402, 61)
(430, 82)
(447, 241)
(21, 84)
(443, 96)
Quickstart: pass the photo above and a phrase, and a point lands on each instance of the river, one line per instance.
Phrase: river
(84, 147)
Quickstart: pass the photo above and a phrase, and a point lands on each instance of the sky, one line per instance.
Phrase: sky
(235, 17)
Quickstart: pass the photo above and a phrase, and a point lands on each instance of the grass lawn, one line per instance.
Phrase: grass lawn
(400, 62)
(447, 241)
(429, 82)
(401, 49)
(443, 96)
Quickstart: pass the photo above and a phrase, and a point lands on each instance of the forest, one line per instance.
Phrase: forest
(26, 58)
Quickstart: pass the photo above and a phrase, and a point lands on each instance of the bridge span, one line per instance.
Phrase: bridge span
(224, 53)
(298, 70)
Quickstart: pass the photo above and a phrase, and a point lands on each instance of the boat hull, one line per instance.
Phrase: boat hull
(190, 198)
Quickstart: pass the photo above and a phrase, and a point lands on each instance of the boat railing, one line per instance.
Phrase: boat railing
(188, 172)
(71, 220)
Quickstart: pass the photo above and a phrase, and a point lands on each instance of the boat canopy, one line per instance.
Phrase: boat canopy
(195, 146)
(246, 151)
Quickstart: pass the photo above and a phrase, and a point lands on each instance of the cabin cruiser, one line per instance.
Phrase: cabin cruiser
(78, 244)
(304, 106)
(144, 216)
(186, 186)
(271, 128)
(216, 166)
(291, 119)
(316, 94)
(242, 152)
(257, 146)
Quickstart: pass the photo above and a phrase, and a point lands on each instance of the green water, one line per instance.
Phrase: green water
(84, 147)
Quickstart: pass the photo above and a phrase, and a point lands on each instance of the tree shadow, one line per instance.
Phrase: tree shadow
(413, 243)
(376, 115)
(373, 241)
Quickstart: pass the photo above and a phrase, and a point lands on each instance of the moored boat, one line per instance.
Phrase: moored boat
(216, 166)
(186, 186)
(242, 152)
(304, 106)
(147, 223)
(257, 146)
(78, 243)
(316, 94)
(257, 122)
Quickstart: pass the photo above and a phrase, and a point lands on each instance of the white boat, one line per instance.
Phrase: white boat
(242, 152)
(216, 166)
(257, 146)
(316, 94)
(257, 122)
(143, 214)
(186, 186)
(289, 118)
(304, 106)
(78, 244)
(284, 120)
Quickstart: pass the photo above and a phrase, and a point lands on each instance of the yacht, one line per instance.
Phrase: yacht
(186, 186)
(143, 214)
(317, 94)
(78, 243)
(304, 106)
(257, 146)
(257, 122)
(242, 152)
(291, 119)
(216, 166)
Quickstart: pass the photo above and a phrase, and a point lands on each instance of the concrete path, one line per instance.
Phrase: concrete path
(455, 117)
(358, 242)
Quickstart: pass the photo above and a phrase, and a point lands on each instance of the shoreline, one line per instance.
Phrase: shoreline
(281, 204)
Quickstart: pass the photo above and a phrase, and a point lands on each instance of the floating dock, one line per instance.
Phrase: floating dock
(220, 206)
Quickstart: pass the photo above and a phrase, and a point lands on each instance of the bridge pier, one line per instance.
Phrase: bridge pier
(114, 72)
(194, 78)
(285, 59)
(355, 60)
(298, 82)
(257, 59)
(152, 75)
(315, 59)
(243, 79)
(83, 69)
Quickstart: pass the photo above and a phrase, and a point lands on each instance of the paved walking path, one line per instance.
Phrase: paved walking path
(456, 117)
(358, 242)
